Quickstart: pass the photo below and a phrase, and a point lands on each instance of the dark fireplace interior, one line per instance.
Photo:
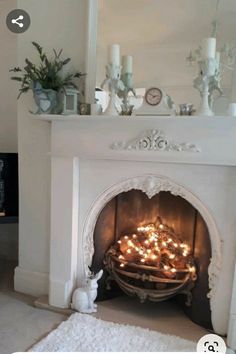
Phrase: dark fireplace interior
(129, 210)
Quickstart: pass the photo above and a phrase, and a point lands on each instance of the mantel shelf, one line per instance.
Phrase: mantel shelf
(201, 140)
(77, 117)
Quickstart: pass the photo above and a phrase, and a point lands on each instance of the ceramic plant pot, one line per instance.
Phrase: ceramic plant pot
(45, 99)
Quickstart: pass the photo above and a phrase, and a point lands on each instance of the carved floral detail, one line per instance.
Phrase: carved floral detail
(151, 185)
(154, 140)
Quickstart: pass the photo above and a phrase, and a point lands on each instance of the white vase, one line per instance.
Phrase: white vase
(232, 109)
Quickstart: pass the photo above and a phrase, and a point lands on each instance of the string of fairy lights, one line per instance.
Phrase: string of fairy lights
(155, 245)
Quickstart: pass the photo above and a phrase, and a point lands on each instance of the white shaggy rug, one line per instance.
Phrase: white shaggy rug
(83, 333)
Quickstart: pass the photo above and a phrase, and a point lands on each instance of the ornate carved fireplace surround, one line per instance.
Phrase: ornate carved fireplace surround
(94, 159)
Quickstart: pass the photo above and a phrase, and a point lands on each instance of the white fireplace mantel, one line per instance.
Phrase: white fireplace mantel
(214, 136)
(96, 157)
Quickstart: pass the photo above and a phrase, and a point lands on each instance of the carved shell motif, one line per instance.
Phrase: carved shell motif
(154, 140)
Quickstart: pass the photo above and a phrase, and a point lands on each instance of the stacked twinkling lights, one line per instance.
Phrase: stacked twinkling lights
(157, 246)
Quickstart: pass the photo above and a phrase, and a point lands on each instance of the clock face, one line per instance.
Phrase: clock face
(153, 96)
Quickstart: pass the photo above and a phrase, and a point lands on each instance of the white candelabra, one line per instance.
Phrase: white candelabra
(113, 79)
(204, 83)
(127, 79)
(212, 65)
(208, 79)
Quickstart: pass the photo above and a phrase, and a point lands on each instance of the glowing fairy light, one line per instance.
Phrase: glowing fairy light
(192, 269)
(157, 247)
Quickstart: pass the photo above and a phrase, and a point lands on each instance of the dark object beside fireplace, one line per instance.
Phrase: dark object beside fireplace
(9, 187)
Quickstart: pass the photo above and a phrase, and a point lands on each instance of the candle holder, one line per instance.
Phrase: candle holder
(127, 108)
(210, 75)
(115, 85)
(207, 81)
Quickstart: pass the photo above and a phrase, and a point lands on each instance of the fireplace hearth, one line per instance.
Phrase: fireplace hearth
(100, 165)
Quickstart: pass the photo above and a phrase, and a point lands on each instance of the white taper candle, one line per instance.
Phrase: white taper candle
(218, 59)
(127, 63)
(209, 48)
(114, 54)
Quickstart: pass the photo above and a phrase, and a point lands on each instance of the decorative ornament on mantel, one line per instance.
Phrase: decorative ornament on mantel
(127, 79)
(212, 65)
(154, 140)
(113, 79)
(54, 93)
(69, 100)
(156, 103)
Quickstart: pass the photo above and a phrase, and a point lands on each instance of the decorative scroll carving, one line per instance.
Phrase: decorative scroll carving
(152, 185)
(154, 140)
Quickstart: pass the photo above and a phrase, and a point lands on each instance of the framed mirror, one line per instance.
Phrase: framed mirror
(160, 35)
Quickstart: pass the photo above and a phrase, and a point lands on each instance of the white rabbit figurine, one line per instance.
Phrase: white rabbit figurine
(83, 298)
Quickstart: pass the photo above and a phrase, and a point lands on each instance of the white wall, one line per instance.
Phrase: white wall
(8, 88)
(54, 24)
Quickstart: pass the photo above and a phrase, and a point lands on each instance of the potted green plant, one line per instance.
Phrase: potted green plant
(46, 80)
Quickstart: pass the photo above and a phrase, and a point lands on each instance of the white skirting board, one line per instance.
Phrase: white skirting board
(32, 283)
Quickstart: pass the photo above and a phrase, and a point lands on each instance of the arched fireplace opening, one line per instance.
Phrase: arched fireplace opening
(130, 210)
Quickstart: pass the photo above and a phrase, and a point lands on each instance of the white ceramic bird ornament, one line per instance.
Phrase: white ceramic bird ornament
(83, 298)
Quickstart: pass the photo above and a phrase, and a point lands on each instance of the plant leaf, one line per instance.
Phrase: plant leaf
(66, 61)
(15, 70)
(48, 72)
(38, 47)
(16, 78)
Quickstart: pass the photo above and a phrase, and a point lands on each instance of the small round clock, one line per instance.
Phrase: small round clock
(153, 96)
